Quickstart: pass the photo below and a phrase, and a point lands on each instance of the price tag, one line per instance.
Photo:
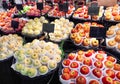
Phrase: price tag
(60, 7)
(40, 6)
(14, 24)
(49, 2)
(48, 27)
(93, 9)
(97, 32)
(12, 2)
(93, 31)
(63, 7)
(94, 4)
(5, 5)
(19, 7)
(102, 32)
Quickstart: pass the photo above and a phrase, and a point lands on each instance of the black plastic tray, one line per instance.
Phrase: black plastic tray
(74, 51)
(43, 79)
(6, 76)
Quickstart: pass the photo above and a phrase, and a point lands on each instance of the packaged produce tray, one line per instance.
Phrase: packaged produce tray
(73, 67)
(82, 14)
(56, 13)
(112, 14)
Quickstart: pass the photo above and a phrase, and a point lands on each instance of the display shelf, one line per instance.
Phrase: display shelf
(9, 76)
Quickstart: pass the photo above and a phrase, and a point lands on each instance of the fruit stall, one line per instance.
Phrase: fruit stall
(59, 42)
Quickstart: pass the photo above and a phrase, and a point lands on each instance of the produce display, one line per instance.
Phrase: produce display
(8, 13)
(112, 13)
(113, 37)
(55, 12)
(62, 29)
(34, 26)
(7, 28)
(9, 44)
(36, 12)
(37, 58)
(5, 18)
(90, 67)
(82, 13)
(80, 35)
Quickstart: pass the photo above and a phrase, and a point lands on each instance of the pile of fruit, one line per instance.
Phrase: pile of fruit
(80, 34)
(9, 44)
(55, 12)
(112, 13)
(7, 28)
(8, 13)
(82, 13)
(90, 67)
(62, 29)
(36, 12)
(37, 58)
(34, 26)
(113, 37)
(6, 17)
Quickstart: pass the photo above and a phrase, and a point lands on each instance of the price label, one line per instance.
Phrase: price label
(63, 7)
(97, 32)
(60, 7)
(14, 24)
(19, 7)
(40, 6)
(93, 9)
(94, 4)
(48, 27)
(102, 32)
(49, 2)
(12, 2)
(5, 5)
